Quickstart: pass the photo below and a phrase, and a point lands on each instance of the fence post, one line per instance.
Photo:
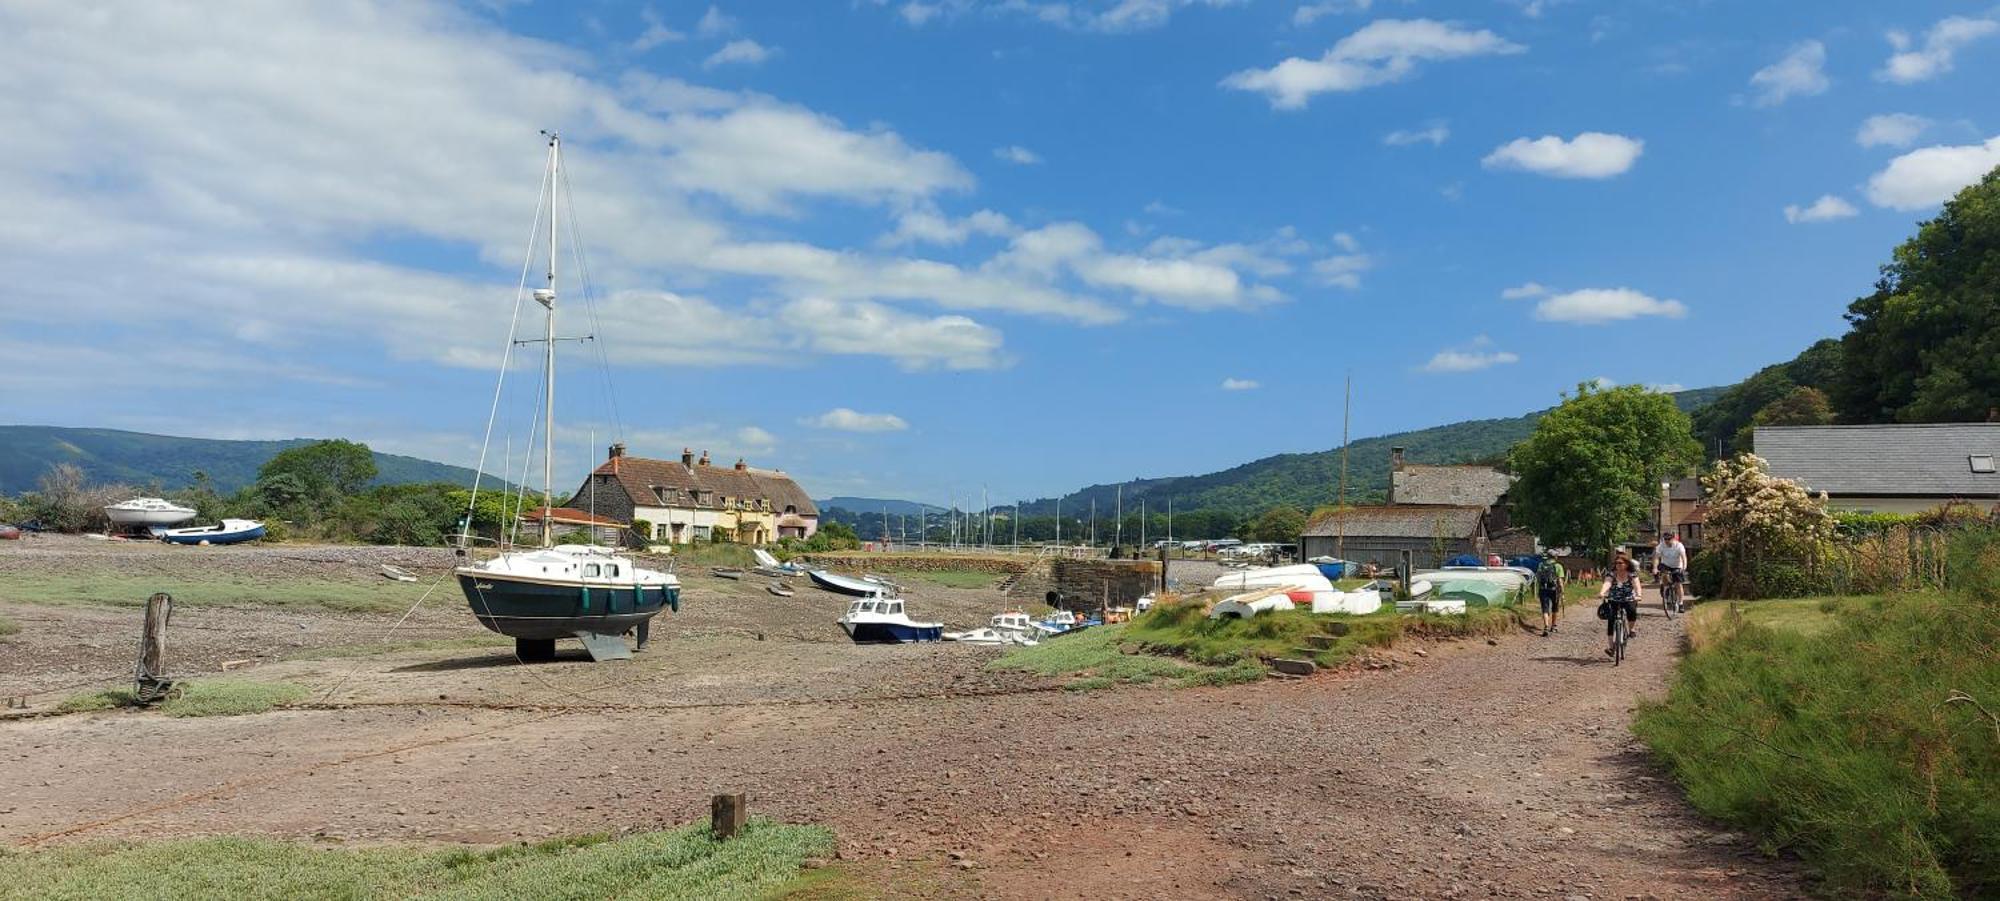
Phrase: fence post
(150, 683)
(726, 816)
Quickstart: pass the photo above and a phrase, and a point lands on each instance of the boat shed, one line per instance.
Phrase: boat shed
(1432, 533)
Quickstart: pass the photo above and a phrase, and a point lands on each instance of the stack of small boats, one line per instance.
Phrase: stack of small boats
(1303, 583)
(156, 514)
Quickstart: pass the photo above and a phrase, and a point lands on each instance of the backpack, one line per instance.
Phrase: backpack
(1545, 577)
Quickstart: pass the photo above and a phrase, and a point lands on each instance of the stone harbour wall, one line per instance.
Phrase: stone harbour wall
(1088, 585)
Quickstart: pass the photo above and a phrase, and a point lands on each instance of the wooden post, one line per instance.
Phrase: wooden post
(150, 683)
(726, 816)
(1404, 570)
(1163, 567)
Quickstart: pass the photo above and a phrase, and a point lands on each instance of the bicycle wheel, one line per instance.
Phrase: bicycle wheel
(1619, 632)
(1667, 597)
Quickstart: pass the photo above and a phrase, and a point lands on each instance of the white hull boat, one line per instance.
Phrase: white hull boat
(1304, 576)
(882, 621)
(147, 511)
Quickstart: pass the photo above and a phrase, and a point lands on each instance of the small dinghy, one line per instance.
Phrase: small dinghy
(397, 573)
(833, 581)
(231, 531)
(882, 621)
(780, 589)
(726, 572)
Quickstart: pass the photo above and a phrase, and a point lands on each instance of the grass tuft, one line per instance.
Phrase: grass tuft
(230, 697)
(684, 863)
(8, 626)
(1829, 728)
(107, 699)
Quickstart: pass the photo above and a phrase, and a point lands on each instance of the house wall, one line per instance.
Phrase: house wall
(664, 519)
(1388, 551)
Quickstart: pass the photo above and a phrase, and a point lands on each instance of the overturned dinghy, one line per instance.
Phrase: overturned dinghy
(1251, 603)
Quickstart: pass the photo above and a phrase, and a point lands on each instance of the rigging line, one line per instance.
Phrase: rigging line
(359, 661)
(527, 461)
(507, 356)
(590, 304)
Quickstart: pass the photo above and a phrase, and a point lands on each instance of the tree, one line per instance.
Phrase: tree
(1278, 524)
(1925, 346)
(1803, 406)
(325, 471)
(1730, 416)
(1592, 467)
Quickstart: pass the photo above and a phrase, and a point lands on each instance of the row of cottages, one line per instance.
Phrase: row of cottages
(1434, 512)
(1888, 468)
(689, 500)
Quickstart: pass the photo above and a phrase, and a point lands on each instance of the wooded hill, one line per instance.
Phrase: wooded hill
(169, 463)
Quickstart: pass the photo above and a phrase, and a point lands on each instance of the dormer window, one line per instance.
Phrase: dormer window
(1981, 463)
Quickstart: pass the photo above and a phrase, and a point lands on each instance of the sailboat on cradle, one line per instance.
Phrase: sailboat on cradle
(552, 592)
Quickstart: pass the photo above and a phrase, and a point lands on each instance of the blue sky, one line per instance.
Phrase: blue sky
(907, 249)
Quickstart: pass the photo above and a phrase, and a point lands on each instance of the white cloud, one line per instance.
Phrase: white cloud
(1592, 306)
(1016, 154)
(754, 438)
(918, 14)
(1474, 356)
(843, 419)
(1342, 270)
(1826, 209)
(1174, 271)
(932, 227)
(1666, 387)
(1524, 290)
(1592, 154)
(1435, 132)
(761, 155)
(1308, 13)
(1381, 52)
(741, 51)
(1240, 384)
(714, 23)
(1931, 175)
(1911, 64)
(656, 32)
(1801, 73)
(1110, 16)
(1891, 130)
(916, 342)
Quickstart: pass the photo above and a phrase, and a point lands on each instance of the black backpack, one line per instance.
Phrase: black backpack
(1545, 577)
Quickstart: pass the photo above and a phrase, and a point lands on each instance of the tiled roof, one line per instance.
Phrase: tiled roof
(1463, 486)
(1418, 521)
(639, 476)
(1928, 460)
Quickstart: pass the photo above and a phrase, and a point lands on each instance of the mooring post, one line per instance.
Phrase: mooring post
(150, 682)
(1403, 571)
(1163, 568)
(726, 816)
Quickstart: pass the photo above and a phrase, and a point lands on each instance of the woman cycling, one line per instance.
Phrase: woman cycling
(1621, 592)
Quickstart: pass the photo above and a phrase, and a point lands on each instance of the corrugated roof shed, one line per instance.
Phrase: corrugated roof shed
(1456, 486)
(1924, 460)
(1422, 521)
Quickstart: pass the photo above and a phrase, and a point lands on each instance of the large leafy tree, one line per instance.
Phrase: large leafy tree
(320, 473)
(1721, 424)
(1593, 466)
(1279, 524)
(1925, 347)
(1805, 405)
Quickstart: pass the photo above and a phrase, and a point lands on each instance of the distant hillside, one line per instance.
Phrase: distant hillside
(876, 505)
(110, 455)
(1310, 479)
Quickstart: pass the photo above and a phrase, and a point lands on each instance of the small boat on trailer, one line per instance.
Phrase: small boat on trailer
(231, 531)
(147, 511)
(881, 620)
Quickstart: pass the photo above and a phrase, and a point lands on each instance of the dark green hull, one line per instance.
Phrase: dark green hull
(542, 611)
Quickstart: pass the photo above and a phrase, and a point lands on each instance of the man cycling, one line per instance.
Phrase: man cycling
(1621, 594)
(1670, 560)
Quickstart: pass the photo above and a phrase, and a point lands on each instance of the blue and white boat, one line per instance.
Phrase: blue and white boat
(1063, 622)
(881, 620)
(231, 531)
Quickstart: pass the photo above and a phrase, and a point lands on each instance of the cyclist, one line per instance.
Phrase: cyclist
(1670, 560)
(1549, 582)
(1621, 593)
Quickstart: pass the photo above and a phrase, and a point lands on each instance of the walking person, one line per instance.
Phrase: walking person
(1550, 580)
(1621, 594)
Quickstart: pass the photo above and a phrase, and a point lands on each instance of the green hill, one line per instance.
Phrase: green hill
(142, 460)
(1309, 480)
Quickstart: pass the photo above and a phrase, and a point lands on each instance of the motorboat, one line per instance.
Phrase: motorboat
(836, 582)
(147, 511)
(1063, 622)
(230, 531)
(881, 620)
(548, 592)
(1014, 628)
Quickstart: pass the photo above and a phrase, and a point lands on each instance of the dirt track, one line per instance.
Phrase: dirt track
(1476, 770)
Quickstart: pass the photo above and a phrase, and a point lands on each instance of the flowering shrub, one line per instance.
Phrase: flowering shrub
(1761, 525)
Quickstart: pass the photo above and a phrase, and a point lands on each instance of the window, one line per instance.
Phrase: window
(701, 533)
(590, 571)
(611, 570)
(1981, 462)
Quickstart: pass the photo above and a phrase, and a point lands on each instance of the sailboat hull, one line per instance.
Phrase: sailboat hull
(540, 610)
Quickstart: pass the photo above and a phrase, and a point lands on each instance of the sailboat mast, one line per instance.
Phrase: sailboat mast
(548, 298)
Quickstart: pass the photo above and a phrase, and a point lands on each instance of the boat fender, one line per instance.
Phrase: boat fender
(586, 599)
(673, 599)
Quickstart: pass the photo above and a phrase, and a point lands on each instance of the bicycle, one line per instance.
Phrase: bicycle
(1620, 634)
(1670, 593)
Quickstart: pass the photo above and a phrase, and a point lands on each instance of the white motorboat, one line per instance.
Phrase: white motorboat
(1013, 628)
(877, 620)
(147, 511)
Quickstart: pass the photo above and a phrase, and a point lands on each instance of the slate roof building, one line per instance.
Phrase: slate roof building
(690, 500)
(1432, 533)
(1456, 485)
(1907, 468)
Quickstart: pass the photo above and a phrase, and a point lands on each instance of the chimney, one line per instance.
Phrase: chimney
(1395, 472)
(740, 465)
(1395, 458)
(687, 457)
(704, 459)
(617, 450)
